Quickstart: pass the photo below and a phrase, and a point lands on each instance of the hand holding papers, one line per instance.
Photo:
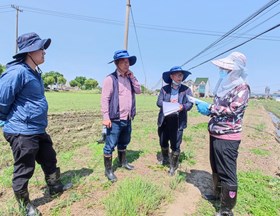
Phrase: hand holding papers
(169, 108)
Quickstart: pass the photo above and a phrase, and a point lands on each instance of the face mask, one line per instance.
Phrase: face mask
(223, 73)
(176, 83)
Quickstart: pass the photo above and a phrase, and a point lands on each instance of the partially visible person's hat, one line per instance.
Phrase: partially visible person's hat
(231, 61)
(166, 75)
(31, 42)
(121, 54)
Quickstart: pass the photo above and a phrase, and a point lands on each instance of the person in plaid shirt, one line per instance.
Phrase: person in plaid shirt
(225, 125)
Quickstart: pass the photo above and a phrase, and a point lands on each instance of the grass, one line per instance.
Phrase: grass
(271, 106)
(134, 197)
(60, 102)
(260, 152)
(258, 195)
(260, 127)
(74, 197)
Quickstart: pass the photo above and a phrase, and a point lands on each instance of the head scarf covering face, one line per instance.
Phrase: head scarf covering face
(235, 77)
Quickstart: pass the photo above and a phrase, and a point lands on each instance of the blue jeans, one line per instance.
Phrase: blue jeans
(118, 135)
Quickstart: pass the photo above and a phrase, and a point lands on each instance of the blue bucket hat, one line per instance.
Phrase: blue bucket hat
(121, 54)
(31, 42)
(166, 75)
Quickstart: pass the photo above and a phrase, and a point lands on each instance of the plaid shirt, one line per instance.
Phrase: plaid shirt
(227, 112)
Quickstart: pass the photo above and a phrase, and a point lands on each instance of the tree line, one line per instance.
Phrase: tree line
(57, 79)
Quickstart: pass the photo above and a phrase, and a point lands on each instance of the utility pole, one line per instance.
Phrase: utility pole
(128, 6)
(18, 10)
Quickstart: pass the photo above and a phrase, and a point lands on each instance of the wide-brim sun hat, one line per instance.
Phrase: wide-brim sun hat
(230, 62)
(31, 42)
(122, 54)
(166, 75)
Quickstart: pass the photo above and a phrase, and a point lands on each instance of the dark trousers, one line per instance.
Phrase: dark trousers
(169, 132)
(26, 150)
(118, 135)
(223, 157)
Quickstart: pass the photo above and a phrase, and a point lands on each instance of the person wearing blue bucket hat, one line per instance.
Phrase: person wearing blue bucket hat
(119, 54)
(118, 109)
(23, 108)
(171, 126)
(31, 42)
(123, 54)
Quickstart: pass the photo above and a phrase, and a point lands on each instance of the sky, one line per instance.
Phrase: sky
(162, 34)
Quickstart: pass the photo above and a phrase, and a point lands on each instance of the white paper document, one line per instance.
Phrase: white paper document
(194, 100)
(169, 108)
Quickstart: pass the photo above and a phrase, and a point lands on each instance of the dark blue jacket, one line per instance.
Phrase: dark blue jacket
(165, 95)
(114, 112)
(22, 101)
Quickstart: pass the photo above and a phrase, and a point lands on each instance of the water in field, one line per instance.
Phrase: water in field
(276, 122)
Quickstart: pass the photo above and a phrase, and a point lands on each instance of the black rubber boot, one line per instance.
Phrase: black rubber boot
(103, 135)
(108, 169)
(25, 206)
(102, 139)
(217, 186)
(174, 163)
(228, 200)
(165, 156)
(122, 160)
(54, 183)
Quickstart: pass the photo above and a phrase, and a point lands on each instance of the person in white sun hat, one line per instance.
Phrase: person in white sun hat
(225, 126)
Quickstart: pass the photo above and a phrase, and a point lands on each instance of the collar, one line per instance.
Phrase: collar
(172, 86)
(119, 74)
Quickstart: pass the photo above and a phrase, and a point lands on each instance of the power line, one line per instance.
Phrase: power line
(231, 40)
(144, 26)
(139, 48)
(274, 27)
(233, 30)
(6, 11)
(72, 16)
(4, 6)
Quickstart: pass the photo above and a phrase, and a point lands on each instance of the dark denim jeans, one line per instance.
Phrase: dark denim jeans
(118, 135)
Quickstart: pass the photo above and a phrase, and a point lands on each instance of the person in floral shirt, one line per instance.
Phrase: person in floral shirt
(225, 126)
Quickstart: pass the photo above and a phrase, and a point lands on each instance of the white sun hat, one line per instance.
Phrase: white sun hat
(235, 60)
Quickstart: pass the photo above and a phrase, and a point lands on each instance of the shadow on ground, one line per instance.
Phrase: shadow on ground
(67, 177)
(203, 181)
(130, 156)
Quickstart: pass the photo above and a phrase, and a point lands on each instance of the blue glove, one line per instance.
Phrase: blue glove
(2, 123)
(203, 108)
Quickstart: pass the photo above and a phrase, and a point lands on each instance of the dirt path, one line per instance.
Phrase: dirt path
(198, 182)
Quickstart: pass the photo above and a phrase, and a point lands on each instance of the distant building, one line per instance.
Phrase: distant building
(267, 92)
(190, 84)
(201, 87)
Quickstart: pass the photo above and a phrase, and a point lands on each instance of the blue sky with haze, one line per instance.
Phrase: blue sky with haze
(162, 34)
